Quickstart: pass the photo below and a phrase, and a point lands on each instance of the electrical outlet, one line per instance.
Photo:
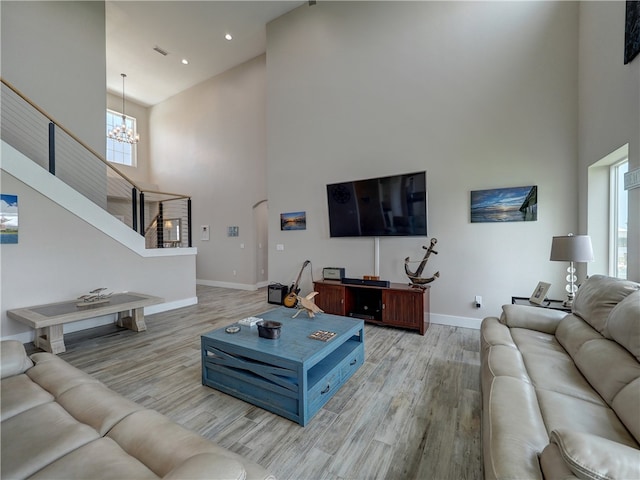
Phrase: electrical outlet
(478, 301)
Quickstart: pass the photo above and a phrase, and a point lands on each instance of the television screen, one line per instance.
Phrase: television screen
(379, 207)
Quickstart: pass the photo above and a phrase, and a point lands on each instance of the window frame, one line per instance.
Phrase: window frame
(132, 154)
(616, 192)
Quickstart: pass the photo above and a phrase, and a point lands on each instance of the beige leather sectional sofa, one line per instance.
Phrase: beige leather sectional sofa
(561, 393)
(60, 423)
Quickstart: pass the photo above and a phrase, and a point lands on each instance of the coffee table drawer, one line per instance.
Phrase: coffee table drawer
(352, 363)
(325, 387)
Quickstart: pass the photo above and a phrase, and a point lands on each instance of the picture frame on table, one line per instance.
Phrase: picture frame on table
(539, 295)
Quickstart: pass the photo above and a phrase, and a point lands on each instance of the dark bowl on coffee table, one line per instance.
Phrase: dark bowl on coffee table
(269, 329)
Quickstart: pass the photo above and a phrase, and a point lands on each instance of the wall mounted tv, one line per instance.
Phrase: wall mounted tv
(379, 207)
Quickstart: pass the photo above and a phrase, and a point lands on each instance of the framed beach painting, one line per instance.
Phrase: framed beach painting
(8, 218)
(514, 204)
(293, 221)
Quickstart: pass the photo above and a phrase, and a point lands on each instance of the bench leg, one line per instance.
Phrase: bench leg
(50, 339)
(134, 322)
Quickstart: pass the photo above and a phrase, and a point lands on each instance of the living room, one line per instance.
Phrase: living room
(480, 95)
(463, 93)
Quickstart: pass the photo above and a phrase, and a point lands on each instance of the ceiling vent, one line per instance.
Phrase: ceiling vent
(161, 51)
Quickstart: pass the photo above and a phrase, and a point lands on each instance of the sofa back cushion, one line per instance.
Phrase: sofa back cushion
(597, 296)
(623, 324)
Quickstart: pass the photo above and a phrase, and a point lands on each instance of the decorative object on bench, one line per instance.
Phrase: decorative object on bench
(415, 277)
(59, 422)
(308, 305)
(560, 391)
(571, 248)
(94, 297)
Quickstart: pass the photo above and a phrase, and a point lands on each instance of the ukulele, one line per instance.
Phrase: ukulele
(291, 300)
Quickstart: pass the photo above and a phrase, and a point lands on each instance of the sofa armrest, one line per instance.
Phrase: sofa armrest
(590, 457)
(13, 359)
(207, 466)
(533, 318)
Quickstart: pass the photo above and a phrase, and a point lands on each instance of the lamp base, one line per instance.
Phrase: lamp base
(569, 301)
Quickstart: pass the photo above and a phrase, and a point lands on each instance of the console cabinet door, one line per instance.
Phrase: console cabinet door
(331, 298)
(403, 308)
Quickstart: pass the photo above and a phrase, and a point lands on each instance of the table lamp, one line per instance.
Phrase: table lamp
(571, 248)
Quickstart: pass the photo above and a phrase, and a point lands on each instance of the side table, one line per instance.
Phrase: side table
(552, 304)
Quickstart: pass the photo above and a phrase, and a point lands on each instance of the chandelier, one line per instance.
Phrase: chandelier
(121, 133)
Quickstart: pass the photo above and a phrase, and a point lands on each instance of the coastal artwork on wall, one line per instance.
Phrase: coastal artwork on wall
(293, 221)
(514, 204)
(8, 218)
(631, 31)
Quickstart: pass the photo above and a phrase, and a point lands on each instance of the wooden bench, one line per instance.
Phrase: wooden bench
(48, 320)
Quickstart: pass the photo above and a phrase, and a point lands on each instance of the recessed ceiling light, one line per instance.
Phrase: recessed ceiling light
(185, 61)
(228, 36)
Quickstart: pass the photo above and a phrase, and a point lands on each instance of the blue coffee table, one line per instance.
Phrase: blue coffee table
(292, 376)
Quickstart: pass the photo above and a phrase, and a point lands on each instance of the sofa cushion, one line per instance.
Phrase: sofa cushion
(590, 457)
(623, 324)
(607, 366)
(35, 438)
(97, 406)
(55, 375)
(13, 359)
(159, 443)
(553, 465)
(597, 296)
(101, 458)
(564, 411)
(573, 332)
(625, 404)
(18, 394)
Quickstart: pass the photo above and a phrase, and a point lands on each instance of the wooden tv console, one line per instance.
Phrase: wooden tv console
(398, 305)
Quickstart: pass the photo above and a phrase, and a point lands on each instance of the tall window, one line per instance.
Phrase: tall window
(619, 220)
(120, 152)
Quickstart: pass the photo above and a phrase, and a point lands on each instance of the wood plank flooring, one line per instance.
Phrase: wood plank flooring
(412, 411)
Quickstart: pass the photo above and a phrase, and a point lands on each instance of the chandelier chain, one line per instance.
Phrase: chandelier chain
(121, 133)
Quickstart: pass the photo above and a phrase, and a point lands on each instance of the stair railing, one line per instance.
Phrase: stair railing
(32, 131)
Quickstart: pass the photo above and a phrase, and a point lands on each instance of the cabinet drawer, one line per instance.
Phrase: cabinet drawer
(352, 362)
(325, 387)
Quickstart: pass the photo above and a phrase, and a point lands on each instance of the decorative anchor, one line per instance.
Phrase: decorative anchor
(416, 280)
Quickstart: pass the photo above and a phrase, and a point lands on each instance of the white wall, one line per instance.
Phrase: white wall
(480, 94)
(609, 107)
(209, 142)
(54, 52)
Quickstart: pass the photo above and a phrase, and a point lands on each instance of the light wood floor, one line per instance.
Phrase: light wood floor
(412, 411)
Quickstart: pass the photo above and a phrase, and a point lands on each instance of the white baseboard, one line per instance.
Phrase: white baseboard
(464, 322)
(165, 307)
(236, 286)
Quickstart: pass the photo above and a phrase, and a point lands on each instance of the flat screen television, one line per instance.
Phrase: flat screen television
(393, 206)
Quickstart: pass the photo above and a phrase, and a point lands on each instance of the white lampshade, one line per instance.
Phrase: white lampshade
(572, 248)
